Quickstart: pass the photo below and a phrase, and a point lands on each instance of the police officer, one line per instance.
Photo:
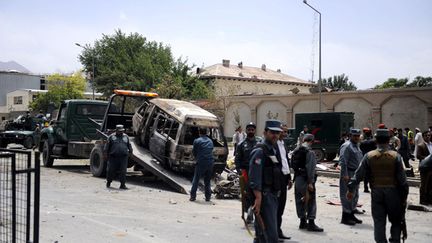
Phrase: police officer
(350, 157)
(117, 150)
(244, 149)
(304, 189)
(264, 181)
(389, 188)
(368, 144)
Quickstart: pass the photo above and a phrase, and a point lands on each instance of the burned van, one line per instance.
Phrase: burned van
(167, 128)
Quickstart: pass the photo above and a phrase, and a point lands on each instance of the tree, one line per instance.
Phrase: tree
(339, 83)
(132, 62)
(420, 81)
(60, 87)
(393, 83)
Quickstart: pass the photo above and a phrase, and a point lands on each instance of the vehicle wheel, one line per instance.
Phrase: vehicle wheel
(47, 158)
(3, 144)
(319, 154)
(330, 156)
(98, 165)
(28, 143)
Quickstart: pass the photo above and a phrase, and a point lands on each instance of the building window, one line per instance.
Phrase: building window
(18, 100)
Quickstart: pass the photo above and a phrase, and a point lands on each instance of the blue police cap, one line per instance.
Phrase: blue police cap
(382, 133)
(354, 131)
(273, 125)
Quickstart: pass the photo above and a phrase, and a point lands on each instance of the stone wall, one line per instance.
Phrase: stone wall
(394, 107)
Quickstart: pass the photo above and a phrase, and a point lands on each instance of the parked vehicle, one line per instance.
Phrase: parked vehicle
(167, 128)
(20, 131)
(72, 134)
(327, 127)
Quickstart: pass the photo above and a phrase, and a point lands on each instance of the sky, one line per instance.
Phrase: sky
(368, 40)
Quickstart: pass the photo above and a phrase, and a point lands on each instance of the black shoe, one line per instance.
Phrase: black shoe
(284, 237)
(303, 224)
(356, 211)
(347, 219)
(313, 227)
(108, 184)
(192, 199)
(123, 187)
(356, 220)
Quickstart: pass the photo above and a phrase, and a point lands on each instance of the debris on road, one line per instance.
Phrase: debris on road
(228, 188)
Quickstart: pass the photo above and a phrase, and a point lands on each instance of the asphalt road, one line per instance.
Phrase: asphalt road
(76, 207)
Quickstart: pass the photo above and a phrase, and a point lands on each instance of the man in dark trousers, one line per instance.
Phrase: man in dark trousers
(304, 163)
(425, 168)
(117, 150)
(350, 157)
(265, 182)
(389, 187)
(286, 183)
(203, 152)
(368, 144)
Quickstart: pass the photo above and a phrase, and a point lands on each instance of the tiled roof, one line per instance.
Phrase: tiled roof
(245, 72)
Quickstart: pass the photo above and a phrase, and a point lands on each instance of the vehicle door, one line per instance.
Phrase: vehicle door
(60, 124)
(158, 138)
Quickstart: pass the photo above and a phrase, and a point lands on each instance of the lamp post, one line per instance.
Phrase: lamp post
(93, 69)
(319, 72)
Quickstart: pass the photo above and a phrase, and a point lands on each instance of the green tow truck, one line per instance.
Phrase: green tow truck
(327, 127)
(72, 135)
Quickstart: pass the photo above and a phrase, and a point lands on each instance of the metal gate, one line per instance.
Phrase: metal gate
(19, 196)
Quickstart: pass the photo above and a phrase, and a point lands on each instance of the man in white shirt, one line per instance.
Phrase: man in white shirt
(417, 140)
(286, 183)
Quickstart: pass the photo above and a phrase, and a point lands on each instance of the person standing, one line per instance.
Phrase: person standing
(117, 151)
(425, 168)
(301, 135)
(241, 160)
(286, 183)
(304, 163)
(202, 150)
(265, 182)
(349, 160)
(418, 139)
(425, 147)
(368, 144)
(389, 187)
(238, 137)
(410, 136)
(404, 149)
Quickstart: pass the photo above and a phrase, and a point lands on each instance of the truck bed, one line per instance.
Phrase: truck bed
(143, 157)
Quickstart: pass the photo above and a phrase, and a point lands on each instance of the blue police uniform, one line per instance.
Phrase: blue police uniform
(203, 153)
(265, 176)
(118, 149)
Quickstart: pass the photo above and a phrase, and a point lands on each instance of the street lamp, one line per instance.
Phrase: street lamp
(319, 74)
(93, 68)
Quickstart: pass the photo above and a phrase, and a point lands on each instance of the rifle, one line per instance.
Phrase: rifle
(243, 203)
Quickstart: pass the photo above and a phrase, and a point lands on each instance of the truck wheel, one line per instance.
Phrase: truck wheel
(330, 156)
(319, 154)
(47, 158)
(3, 143)
(28, 143)
(98, 165)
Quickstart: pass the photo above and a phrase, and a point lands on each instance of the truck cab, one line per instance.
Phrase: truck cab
(72, 133)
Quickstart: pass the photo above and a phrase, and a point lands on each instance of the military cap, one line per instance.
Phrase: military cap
(382, 133)
(354, 131)
(120, 128)
(273, 125)
(251, 124)
(308, 137)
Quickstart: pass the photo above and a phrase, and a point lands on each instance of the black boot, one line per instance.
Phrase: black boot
(123, 187)
(108, 184)
(356, 220)
(356, 211)
(346, 219)
(303, 224)
(313, 227)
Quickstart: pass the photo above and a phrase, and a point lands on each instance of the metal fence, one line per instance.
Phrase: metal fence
(19, 196)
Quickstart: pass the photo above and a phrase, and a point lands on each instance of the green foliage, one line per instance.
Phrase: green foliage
(60, 87)
(339, 83)
(418, 81)
(132, 62)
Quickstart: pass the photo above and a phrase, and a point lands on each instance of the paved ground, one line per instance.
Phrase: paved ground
(76, 207)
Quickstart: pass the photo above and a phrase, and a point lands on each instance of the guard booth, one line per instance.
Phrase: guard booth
(19, 196)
